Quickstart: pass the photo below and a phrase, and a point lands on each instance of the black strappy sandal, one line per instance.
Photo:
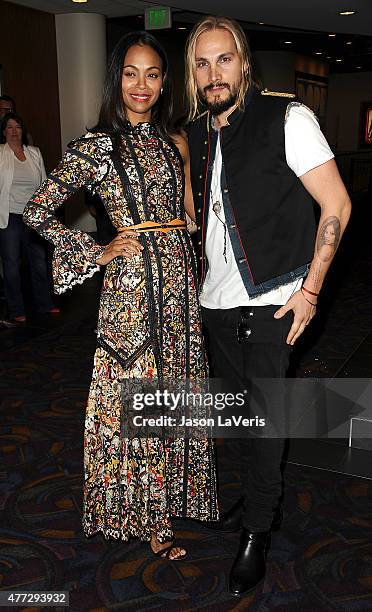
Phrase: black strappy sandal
(165, 552)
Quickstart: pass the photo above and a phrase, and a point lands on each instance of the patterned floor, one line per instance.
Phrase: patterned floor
(319, 561)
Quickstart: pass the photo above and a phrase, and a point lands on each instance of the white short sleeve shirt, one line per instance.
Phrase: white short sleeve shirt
(305, 149)
(23, 186)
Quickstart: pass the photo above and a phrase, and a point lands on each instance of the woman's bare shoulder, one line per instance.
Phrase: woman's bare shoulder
(181, 142)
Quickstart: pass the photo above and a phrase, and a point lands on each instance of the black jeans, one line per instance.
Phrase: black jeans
(263, 354)
(13, 239)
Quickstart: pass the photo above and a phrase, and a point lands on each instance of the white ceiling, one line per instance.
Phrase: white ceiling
(319, 15)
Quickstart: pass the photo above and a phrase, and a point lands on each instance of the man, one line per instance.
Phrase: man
(7, 105)
(256, 164)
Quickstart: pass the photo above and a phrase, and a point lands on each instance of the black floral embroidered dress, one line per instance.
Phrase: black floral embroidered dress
(149, 327)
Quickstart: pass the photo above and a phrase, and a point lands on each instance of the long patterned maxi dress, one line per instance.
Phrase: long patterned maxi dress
(148, 327)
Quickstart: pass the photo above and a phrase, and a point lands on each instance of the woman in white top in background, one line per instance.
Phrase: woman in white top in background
(21, 172)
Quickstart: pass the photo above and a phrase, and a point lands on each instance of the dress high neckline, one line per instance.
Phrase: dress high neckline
(145, 128)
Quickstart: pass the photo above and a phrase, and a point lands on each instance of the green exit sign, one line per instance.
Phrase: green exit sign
(158, 18)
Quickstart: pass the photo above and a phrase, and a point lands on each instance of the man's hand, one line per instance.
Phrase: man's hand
(303, 313)
(125, 245)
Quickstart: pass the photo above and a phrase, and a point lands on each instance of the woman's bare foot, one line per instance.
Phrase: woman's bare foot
(170, 552)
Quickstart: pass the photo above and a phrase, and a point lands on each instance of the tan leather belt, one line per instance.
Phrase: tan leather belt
(155, 226)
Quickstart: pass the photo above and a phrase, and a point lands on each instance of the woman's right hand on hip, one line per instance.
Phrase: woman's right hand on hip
(125, 245)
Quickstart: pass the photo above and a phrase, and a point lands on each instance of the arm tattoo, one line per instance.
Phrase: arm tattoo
(328, 238)
(314, 275)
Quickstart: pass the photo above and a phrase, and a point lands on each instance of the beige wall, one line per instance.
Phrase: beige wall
(81, 52)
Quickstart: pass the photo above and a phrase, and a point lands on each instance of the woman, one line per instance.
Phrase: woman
(329, 237)
(21, 172)
(149, 325)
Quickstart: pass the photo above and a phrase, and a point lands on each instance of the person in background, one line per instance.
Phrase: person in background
(21, 172)
(7, 105)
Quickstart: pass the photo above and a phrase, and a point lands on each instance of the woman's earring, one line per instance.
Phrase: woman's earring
(162, 89)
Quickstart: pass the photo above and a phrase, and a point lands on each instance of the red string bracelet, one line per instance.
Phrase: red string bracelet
(308, 301)
(311, 292)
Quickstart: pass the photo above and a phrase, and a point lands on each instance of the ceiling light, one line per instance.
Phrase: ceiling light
(328, 57)
(287, 42)
(338, 60)
(318, 52)
(181, 28)
(261, 23)
(332, 35)
(79, 1)
(359, 67)
(347, 13)
(349, 42)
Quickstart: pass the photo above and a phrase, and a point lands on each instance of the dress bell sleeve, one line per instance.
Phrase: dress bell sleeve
(75, 253)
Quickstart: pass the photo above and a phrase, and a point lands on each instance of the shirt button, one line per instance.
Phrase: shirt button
(231, 226)
(226, 191)
(199, 244)
(204, 157)
(205, 141)
(200, 176)
(241, 260)
(199, 209)
(198, 227)
(199, 194)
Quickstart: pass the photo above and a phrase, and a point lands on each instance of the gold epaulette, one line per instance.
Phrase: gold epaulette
(278, 94)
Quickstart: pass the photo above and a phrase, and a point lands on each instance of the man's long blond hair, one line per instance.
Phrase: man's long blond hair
(208, 24)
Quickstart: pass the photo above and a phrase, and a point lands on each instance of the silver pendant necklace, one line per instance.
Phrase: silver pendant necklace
(216, 207)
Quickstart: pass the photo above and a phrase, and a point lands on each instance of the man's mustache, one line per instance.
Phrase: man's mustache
(213, 85)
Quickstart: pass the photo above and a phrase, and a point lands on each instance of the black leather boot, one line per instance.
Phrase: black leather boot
(249, 567)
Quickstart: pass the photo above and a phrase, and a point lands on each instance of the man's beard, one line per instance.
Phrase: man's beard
(219, 106)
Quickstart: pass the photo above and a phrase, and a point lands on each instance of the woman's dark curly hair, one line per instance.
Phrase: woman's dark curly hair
(20, 122)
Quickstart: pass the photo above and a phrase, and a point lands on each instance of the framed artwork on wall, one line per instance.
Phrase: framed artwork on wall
(366, 124)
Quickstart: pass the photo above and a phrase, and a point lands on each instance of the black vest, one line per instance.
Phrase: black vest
(274, 213)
